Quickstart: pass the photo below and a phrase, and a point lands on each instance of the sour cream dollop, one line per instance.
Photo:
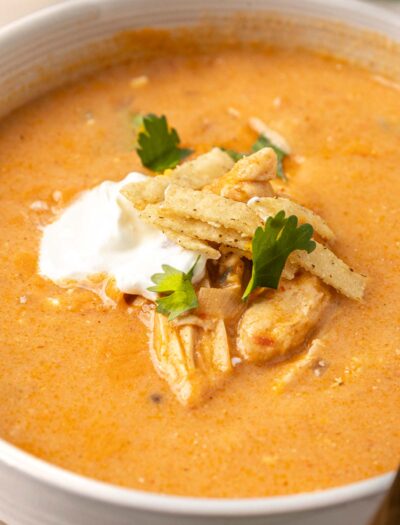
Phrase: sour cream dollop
(101, 233)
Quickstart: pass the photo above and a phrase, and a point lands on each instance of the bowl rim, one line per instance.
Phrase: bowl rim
(51, 475)
(79, 485)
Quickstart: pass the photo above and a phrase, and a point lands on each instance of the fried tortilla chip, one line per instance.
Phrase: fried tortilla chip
(244, 191)
(190, 243)
(211, 208)
(248, 177)
(193, 174)
(226, 250)
(271, 206)
(156, 215)
(259, 166)
(333, 271)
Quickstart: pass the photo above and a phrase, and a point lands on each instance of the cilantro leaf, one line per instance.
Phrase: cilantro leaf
(158, 145)
(272, 246)
(263, 142)
(178, 294)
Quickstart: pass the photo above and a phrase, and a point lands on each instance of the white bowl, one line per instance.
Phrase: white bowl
(34, 55)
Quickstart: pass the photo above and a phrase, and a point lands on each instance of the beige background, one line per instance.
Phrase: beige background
(12, 9)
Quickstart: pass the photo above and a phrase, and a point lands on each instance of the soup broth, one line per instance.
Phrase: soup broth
(77, 386)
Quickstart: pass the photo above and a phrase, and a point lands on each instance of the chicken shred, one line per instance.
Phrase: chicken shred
(279, 321)
(194, 360)
(193, 353)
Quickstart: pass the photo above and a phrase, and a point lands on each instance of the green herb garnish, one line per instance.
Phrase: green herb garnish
(263, 142)
(176, 288)
(271, 247)
(158, 145)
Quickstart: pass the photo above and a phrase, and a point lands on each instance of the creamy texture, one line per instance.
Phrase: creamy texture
(102, 233)
(77, 384)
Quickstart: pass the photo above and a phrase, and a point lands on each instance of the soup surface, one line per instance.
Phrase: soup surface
(77, 386)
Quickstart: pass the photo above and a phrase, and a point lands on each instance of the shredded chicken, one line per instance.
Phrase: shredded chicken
(194, 360)
(312, 360)
(193, 353)
(279, 321)
(224, 303)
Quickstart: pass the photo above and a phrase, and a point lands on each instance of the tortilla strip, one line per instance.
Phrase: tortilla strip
(211, 208)
(244, 191)
(193, 174)
(259, 166)
(271, 206)
(253, 170)
(195, 245)
(333, 271)
(156, 215)
(290, 270)
(324, 264)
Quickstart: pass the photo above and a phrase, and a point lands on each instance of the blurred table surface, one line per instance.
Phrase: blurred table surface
(11, 10)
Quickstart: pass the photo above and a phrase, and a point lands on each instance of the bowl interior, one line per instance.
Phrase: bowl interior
(65, 41)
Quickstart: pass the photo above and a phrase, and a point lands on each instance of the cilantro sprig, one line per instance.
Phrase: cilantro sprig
(271, 247)
(176, 289)
(157, 144)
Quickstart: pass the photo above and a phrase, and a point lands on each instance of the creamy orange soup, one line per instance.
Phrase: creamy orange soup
(77, 386)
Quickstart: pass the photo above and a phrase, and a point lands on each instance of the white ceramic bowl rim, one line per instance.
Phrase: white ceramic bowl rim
(82, 486)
